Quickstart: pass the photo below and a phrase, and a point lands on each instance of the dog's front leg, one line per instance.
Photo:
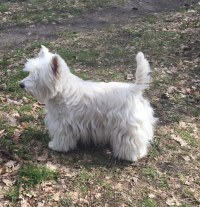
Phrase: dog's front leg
(62, 142)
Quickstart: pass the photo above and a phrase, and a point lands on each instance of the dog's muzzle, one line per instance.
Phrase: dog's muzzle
(22, 85)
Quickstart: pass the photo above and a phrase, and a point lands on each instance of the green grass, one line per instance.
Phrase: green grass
(49, 11)
(68, 35)
(82, 181)
(35, 133)
(198, 8)
(150, 172)
(32, 133)
(31, 175)
(65, 202)
(13, 194)
(188, 194)
(195, 112)
(12, 84)
(176, 117)
(160, 42)
(26, 118)
(4, 7)
(156, 149)
(23, 152)
(36, 45)
(149, 202)
(163, 183)
(188, 137)
(88, 57)
(6, 142)
(90, 180)
(4, 62)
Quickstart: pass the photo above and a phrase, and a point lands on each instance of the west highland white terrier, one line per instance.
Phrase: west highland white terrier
(79, 110)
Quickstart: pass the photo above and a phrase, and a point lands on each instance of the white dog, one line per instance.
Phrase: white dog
(89, 111)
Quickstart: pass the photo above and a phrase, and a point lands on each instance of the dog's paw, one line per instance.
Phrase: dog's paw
(52, 146)
(59, 148)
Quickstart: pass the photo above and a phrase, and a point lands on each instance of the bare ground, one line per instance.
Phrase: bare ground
(14, 35)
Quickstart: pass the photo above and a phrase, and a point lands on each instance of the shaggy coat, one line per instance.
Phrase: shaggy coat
(101, 112)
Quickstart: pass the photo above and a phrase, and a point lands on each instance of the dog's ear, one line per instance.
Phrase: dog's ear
(55, 65)
(44, 50)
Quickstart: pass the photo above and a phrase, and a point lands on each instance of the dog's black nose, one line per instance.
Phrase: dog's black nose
(22, 85)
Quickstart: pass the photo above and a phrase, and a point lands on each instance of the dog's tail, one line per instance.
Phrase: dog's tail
(142, 72)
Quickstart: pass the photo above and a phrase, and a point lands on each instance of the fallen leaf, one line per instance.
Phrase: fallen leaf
(25, 100)
(14, 102)
(28, 195)
(74, 194)
(42, 157)
(171, 89)
(2, 133)
(56, 197)
(1, 193)
(173, 202)
(179, 140)
(135, 180)
(182, 125)
(16, 114)
(186, 158)
(82, 200)
(97, 195)
(67, 172)
(187, 182)
(24, 203)
(7, 182)
(129, 76)
(16, 135)
(9, 119)
(51, 166)
(151, 195)
(37, 105)
(10, 163)
(40, 204)
(47, 188)
(24, 125)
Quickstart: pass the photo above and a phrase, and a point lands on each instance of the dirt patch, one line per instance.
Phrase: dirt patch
(15, 36)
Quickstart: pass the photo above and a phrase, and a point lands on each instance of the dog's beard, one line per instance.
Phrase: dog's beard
(40, 94)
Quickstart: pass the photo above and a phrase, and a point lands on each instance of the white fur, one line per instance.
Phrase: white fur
(84, 110)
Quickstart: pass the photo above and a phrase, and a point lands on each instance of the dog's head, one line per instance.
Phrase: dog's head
(45, 71)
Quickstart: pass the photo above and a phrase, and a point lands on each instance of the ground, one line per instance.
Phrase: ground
(99, 41)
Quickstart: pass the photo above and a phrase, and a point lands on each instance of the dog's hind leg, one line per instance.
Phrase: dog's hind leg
(124, 148)
(130, 145)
